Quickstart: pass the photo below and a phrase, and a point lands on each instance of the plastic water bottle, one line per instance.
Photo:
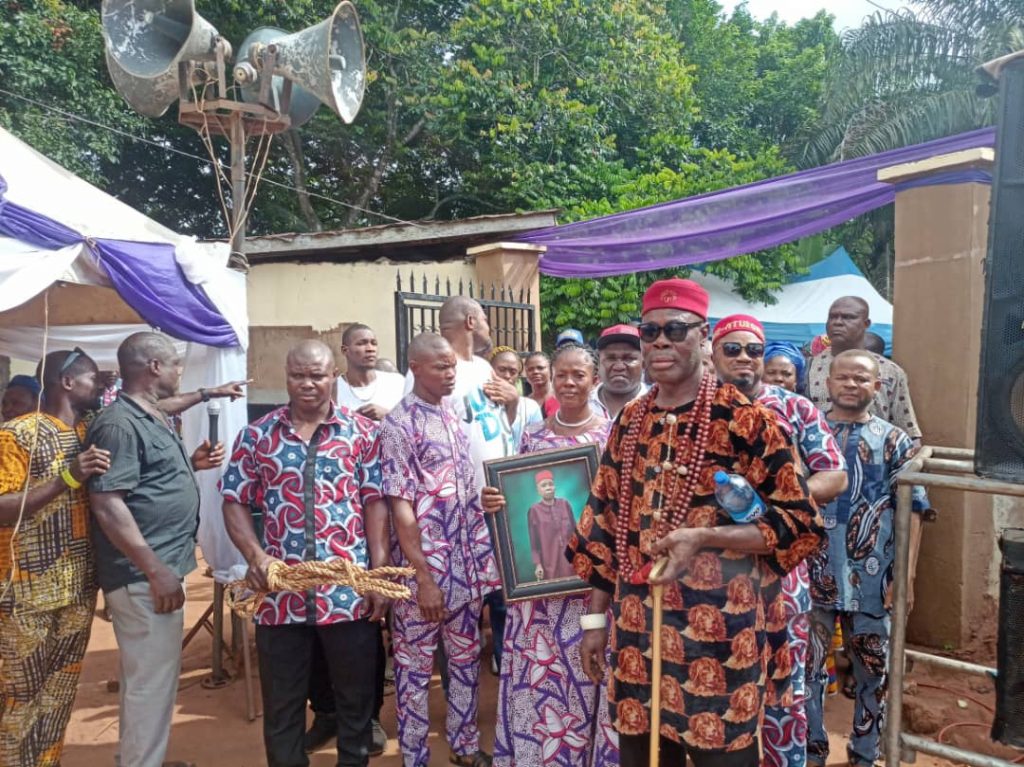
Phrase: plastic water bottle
(737, 497)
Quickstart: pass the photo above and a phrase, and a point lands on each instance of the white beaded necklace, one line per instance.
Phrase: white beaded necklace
(578, 424)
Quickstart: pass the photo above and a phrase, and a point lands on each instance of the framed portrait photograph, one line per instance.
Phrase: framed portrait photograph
(545, 494)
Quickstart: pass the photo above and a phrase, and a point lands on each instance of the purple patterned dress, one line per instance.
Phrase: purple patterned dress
(425, 460)
(549, 712)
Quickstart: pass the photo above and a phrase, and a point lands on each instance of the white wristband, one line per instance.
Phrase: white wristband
(593, 621)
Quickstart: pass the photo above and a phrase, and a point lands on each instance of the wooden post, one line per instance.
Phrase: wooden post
(237, 259)
(657, 598)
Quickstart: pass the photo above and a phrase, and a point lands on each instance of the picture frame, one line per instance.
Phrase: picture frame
(532, 529)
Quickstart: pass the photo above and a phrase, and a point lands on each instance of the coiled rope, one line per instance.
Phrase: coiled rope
(307, 575)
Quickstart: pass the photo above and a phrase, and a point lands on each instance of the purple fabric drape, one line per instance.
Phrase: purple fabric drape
(145, 274)
(741, 220)
(23, 225)
(149, 279)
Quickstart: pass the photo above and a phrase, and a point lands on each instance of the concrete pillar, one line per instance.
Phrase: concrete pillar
(941, 242)
(516, 266)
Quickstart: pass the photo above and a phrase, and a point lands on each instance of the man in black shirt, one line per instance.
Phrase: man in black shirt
(147, 511)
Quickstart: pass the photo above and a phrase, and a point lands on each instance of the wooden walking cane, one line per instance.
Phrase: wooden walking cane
(657, 593)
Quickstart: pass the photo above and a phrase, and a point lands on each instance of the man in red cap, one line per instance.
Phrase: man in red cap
(620, 368)
(738, 355)
(551, 524)
(653, 497)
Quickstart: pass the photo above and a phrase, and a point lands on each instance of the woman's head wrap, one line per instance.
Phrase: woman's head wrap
(790, 352)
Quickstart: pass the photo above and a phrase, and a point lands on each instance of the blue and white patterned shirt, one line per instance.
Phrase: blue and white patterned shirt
(853, 570)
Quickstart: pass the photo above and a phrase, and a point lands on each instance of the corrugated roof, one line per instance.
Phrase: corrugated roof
(415, 240)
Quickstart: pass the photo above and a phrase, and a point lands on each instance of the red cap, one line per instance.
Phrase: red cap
(735, 322)
(676, 293)
(540, 476)
(619, 334)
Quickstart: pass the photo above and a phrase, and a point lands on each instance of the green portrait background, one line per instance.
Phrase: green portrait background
(571, 483)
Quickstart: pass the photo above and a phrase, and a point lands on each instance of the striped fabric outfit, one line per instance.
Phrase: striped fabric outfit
(425, 461)
(549, 712)
(46, 612)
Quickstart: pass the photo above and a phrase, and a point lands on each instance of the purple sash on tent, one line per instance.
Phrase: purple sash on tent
(145, 274)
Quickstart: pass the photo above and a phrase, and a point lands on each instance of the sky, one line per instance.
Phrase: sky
(848, 13)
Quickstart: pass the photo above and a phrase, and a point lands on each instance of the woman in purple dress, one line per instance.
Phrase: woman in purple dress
(549, 712)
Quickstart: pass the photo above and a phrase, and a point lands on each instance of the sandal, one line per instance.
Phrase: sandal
(849, 688)
(479, 759)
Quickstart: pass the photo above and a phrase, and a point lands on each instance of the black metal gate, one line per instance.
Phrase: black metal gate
(511, 321)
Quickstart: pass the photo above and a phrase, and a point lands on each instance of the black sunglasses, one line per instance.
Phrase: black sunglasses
(70, 359)
(674, 330)
(733, 349)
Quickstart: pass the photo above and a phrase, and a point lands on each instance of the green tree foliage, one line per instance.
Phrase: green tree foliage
(900, 79)
(471, 107)
(50, 51)
(758, 83)
(906, 77)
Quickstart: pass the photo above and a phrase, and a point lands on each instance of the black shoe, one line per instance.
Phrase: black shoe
(378, 738)
(323, 730)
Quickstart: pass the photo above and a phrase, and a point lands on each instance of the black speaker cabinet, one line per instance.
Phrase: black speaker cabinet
(999, 446)
(1008, 726)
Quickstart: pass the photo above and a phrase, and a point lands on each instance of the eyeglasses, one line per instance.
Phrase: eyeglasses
(70, 359)
(674, 330)
(733, 349)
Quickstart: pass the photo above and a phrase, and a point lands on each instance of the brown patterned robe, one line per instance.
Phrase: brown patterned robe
(714, 648)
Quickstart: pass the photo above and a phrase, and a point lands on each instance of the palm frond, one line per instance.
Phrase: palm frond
(976, 15)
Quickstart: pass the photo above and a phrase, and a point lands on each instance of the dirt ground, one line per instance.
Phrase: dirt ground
(210, 726)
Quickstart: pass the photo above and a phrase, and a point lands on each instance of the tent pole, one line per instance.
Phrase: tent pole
(237, 260)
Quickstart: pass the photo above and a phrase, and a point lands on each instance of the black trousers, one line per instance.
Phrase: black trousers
(321, 696)
(286, 665)
(634, 751)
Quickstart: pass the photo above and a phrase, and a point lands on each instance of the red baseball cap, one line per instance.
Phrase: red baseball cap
(619, 334)
(676, 293)
(735, 322)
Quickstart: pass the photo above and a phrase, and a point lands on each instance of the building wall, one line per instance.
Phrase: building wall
(293, 301)
(941, 242)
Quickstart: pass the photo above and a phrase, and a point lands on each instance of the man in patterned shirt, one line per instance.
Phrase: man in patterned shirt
(440, 531)
(738, 353)
(49, 591)
(851, 576)
(847, 325)
(314, 470)
(653, 496)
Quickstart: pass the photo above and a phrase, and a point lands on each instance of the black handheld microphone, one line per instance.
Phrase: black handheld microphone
(213, 413)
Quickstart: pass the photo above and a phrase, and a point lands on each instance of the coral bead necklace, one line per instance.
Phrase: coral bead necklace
(678, 473)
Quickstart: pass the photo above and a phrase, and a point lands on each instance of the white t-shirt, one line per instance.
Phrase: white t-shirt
(385, 390)
(597, 406)
(484, 422)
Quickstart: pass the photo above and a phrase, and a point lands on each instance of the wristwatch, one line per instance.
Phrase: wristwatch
(204, 395)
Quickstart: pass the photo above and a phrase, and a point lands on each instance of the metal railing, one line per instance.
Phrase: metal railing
(956, 462)
(510, 315)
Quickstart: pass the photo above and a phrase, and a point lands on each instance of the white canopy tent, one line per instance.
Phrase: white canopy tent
(64, 296)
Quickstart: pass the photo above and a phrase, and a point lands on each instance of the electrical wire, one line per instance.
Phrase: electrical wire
(218, 166)
(880, 7)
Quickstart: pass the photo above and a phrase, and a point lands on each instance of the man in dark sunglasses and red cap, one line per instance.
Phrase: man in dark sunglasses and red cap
(653, 498)
(738, 353)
